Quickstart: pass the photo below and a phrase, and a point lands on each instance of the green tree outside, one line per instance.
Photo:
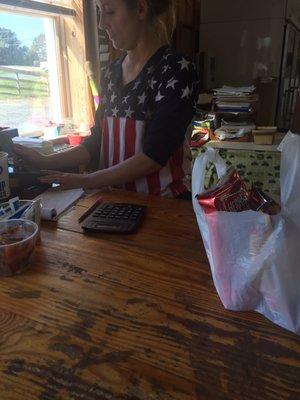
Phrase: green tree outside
(38, 48)
(12, 52)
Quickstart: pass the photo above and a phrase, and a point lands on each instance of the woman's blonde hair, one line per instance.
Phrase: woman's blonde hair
(162, 13)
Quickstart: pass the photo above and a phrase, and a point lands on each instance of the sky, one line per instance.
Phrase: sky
(25, 27)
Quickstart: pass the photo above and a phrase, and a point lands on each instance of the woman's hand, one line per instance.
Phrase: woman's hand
(66, 180)
(30, 156)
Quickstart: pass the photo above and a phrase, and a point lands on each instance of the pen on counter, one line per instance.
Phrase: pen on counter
(89, 211)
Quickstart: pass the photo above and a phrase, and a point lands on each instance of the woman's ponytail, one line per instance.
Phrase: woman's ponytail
(162, 13)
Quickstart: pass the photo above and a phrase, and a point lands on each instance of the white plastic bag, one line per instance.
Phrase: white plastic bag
(254, 257)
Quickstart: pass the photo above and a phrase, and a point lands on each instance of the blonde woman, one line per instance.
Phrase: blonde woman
(147, 103)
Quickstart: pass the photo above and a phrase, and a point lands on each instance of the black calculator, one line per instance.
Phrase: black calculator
(115, 218)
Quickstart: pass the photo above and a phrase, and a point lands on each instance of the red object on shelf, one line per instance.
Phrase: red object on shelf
(200, 137)
(75, 140)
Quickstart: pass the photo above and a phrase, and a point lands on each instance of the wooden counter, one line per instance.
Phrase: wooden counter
(134, 317)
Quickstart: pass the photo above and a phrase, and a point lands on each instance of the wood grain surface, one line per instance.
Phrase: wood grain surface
(134, 317)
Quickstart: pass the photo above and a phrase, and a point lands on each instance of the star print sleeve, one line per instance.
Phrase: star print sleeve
(175, 89)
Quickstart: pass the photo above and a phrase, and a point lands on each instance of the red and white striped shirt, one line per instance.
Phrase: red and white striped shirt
(149, 115)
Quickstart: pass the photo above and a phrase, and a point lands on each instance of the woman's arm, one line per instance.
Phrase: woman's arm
(129, 170)
(70, 158)
(134, 168)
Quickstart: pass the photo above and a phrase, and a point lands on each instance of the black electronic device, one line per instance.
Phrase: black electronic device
(25, 179)
(11, 132)
(115, 218)
(6, 144)
(21, 176)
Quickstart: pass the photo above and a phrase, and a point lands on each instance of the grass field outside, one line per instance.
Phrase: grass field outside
(26, 113)
(23, 82)
(24, 97)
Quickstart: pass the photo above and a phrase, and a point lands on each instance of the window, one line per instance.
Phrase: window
(30, 96)
(43, 77)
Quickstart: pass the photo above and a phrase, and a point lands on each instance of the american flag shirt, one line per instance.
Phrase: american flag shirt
(149, 115)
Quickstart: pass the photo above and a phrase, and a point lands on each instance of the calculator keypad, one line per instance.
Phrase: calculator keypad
(115, 217)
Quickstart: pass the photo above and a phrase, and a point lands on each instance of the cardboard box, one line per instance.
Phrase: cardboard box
(265, 137)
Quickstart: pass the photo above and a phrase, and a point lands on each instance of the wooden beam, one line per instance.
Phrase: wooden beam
(37, 6)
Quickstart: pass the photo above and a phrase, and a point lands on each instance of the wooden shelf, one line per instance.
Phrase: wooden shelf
(226, 144)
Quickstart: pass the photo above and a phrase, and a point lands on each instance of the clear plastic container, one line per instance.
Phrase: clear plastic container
(17, 241)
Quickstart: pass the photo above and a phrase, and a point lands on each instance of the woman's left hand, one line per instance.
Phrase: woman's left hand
(65, 180)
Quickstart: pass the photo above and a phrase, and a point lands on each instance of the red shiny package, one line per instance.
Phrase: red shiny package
(260, 201)
(230, 194)
(199, 137)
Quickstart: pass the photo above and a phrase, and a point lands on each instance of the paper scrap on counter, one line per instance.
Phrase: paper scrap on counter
(56, 202)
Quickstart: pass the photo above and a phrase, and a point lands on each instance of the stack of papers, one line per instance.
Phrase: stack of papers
(234, 128)
(235, 99)
(236, 106)
(231, 91)
(237, 102)
(56, 202)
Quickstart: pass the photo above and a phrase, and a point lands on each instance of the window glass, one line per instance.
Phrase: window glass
(29, 88)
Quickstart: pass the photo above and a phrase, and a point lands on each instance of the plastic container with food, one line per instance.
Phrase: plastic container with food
(17, 241)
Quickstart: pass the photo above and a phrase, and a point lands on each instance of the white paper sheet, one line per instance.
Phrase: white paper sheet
(55, 202)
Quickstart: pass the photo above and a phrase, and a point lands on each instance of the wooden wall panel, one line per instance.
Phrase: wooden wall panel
(75, 53)
(186, 11)
(237, 10)
(186, 35)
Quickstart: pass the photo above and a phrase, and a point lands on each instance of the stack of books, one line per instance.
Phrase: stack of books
(235, 99)
(235, 107)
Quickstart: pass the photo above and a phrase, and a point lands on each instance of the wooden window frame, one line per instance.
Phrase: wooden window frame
(36, 6)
